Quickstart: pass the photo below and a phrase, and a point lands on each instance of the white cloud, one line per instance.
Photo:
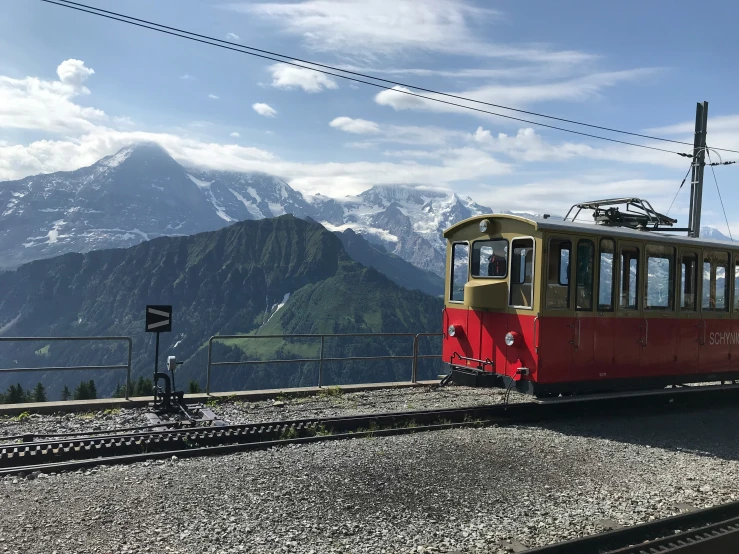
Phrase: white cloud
(289, 77)
(187, 77)
(235, 135)
(264, 109)
(528, 146)
(410, 154)
(74, 72)
(721, 123)
(232, 36)
(472, 161)
(523, 72)
(555, 196)
(358, 126)
(34, 104)
(366, 28)
(516, 96)
(214, 97)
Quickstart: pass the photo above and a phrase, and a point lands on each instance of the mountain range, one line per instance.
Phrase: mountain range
(141, 193)
(273, 276)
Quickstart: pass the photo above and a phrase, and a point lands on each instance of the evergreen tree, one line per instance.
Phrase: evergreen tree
(193, 387)
(39, 393)
(66, 395)
(15, 395)
(91, 390)
(82, 392)
(118, 392)
(144, 387)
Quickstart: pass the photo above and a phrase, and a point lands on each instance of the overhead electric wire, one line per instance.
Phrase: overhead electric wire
(366, 76)
(718, 190)
(271, 56)
(679, 188)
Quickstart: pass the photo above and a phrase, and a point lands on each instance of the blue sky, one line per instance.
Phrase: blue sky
(74, 87)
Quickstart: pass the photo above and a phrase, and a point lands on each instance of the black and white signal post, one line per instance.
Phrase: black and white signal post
(158, 320)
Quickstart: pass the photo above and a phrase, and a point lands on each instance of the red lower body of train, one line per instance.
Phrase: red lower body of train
(547, 355)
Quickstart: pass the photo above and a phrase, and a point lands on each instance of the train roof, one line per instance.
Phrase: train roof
(600, 230)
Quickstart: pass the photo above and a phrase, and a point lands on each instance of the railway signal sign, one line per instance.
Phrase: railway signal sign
(158, 319)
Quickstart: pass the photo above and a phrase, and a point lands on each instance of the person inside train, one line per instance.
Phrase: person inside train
(496, 266)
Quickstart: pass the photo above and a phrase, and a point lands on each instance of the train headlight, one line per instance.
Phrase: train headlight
(484, 224)
(452, 331)
(512, 339)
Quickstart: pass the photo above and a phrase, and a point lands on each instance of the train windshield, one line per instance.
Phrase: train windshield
(490, 258)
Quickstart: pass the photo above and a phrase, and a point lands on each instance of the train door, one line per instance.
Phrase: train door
(583, 354)
(660, 332)
(714, 350)
(557, 323)
(604, 324)
(689, 327)
(457, 344)
(522, 299)
(629, 324)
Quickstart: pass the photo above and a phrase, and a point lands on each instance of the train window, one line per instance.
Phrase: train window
(715, 282)
(629, 276)
(606, 271)
(736, 284)
(490, 258)
(460, 260)
(522, 272)
(584, 275)
(688, 281)
(660, 277)
(558, 274)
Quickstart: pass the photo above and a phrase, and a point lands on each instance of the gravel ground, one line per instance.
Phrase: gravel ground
(329, 403)
(462, 490)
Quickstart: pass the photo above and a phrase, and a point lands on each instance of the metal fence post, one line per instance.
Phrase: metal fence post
(128, 370)
(320, 363)
(207, 371)
(414, 371)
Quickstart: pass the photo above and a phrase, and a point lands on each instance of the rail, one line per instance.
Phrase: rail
(126, 366)
(414, 357)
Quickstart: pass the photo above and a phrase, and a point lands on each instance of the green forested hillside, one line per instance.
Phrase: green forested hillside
(224, 282)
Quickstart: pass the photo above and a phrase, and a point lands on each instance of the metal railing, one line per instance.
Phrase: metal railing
(414, 357)
(126, 366)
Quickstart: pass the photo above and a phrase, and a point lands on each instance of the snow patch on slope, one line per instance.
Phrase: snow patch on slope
(276, 308)
(276, 209)
(253, 209)
(53, 235)
(5, 328)
(362, 230)
(253, 194)
(116, 159)
(205, 185)
(198, 182)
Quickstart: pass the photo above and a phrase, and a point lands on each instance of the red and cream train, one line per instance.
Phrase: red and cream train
(555, 307)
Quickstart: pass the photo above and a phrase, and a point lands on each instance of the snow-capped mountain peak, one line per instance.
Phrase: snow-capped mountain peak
(141, 192)
(406, 220)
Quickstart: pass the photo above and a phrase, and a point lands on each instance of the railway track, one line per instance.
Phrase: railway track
(71, 453)
(86, 451)
(709, 531)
